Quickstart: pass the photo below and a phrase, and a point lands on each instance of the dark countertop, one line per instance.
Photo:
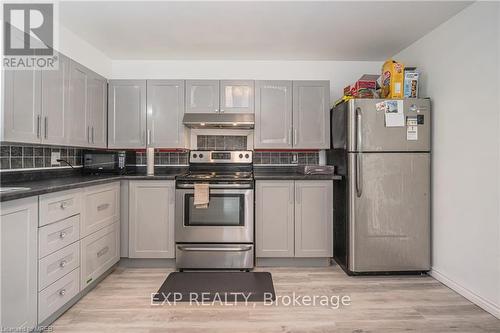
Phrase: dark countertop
(56, 184)
(287, 173)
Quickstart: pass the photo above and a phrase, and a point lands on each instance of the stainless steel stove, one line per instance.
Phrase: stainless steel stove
(219, 236)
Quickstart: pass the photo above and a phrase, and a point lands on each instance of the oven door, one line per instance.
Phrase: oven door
(228, 218)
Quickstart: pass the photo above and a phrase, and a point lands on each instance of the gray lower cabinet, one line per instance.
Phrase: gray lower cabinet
(311, 116)
(273, 114)
(127, 114)
(165, 105)
(274, 218)
(22, 110)
(18, 255)
(294, 218)
(313, 218)
(77, 122)
(151, 219)
(202, 96)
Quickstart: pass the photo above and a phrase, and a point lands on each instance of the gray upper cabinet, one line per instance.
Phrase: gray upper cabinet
(311, 120)
(165, 109)
(202, 96)
(274, 218)
(127, 114)
(97, 112)
(77, 122)
(22, 110)
(273, 114)
(237, 96)
(314, 218)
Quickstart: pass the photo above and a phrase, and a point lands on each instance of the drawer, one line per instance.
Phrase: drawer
(58, 235)
(57, 294)
(101, 206)
(58, 264)
(99, 252)
(60, 205)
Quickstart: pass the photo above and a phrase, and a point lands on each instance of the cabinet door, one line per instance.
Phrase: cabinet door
(18, 255)
(151, 219)
(202, 96)
(77, 122)
(165, 111)
(97, 102)
(237, 96)
(101, 207)
(273, 114)
(313, 218)
(22, 107)
(127, 114)
(311, 117)
(274, 218)
(55, 84)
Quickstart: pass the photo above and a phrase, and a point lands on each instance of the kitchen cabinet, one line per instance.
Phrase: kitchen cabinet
(294, 218)
(98, 110)
(101, 207)
(77, 122)
(313, 218)
(226, 96)
(151, 219)
(54, 111)
(165, 110)
(237, 96)
(202, 96)
(22, 110)
(127, 114)
(311, 116)
(274, 218)
(18, 255)
(273, 114)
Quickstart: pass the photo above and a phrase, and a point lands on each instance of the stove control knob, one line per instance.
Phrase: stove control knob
(247, 156)
(241, 156)
(201, 155)
(195, 156)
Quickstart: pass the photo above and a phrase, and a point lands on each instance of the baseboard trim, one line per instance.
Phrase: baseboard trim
(467, 293)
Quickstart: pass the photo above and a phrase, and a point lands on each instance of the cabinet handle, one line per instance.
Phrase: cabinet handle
(103, 252)
(63, 263)
(62, 292)
(295, 137)
(102, 206)
(64, 204)
(88, 134)
(92, 134)
(62, 234)
(38, 124)
(289, 136)
(216, 110)
(46, 127)
(149, 137)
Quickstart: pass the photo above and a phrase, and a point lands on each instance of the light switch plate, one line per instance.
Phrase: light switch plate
(54, 156)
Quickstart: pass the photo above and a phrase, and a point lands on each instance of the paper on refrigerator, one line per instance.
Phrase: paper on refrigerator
(394, 115)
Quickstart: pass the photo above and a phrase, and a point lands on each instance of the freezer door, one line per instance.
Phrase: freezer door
(389, 212)
(367, 131)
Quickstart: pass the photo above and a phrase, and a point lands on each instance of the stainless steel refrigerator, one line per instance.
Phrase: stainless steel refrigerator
(382, 204)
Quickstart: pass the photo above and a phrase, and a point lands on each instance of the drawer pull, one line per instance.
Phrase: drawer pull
(63, 263)
(103, 251)
(62, 234)
(103, 206)
(64, 205)
(62, 292)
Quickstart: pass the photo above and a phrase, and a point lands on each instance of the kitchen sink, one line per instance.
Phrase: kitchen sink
(12, 189)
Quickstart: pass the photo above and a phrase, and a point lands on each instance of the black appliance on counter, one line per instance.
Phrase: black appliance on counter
(117, 162)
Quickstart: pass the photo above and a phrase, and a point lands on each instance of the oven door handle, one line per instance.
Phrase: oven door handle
(215, 249)
(213, 186)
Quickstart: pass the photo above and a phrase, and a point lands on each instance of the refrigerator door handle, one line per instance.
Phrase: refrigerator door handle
(359, 154)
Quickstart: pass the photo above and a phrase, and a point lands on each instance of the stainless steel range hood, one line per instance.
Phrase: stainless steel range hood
(219, 120)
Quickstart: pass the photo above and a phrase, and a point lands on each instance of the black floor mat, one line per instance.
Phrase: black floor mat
(211, 286)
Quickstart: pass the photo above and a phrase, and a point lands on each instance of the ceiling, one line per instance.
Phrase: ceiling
(283, 30)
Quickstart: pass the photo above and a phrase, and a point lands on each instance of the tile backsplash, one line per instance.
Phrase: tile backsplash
(13, 156)
(221, 142)
(285, 157)
(164, 158)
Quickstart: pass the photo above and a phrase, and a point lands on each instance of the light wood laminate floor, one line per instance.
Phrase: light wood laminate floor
(121, 303)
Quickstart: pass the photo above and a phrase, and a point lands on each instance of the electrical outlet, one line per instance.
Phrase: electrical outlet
(295, 158)
(54, 156)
